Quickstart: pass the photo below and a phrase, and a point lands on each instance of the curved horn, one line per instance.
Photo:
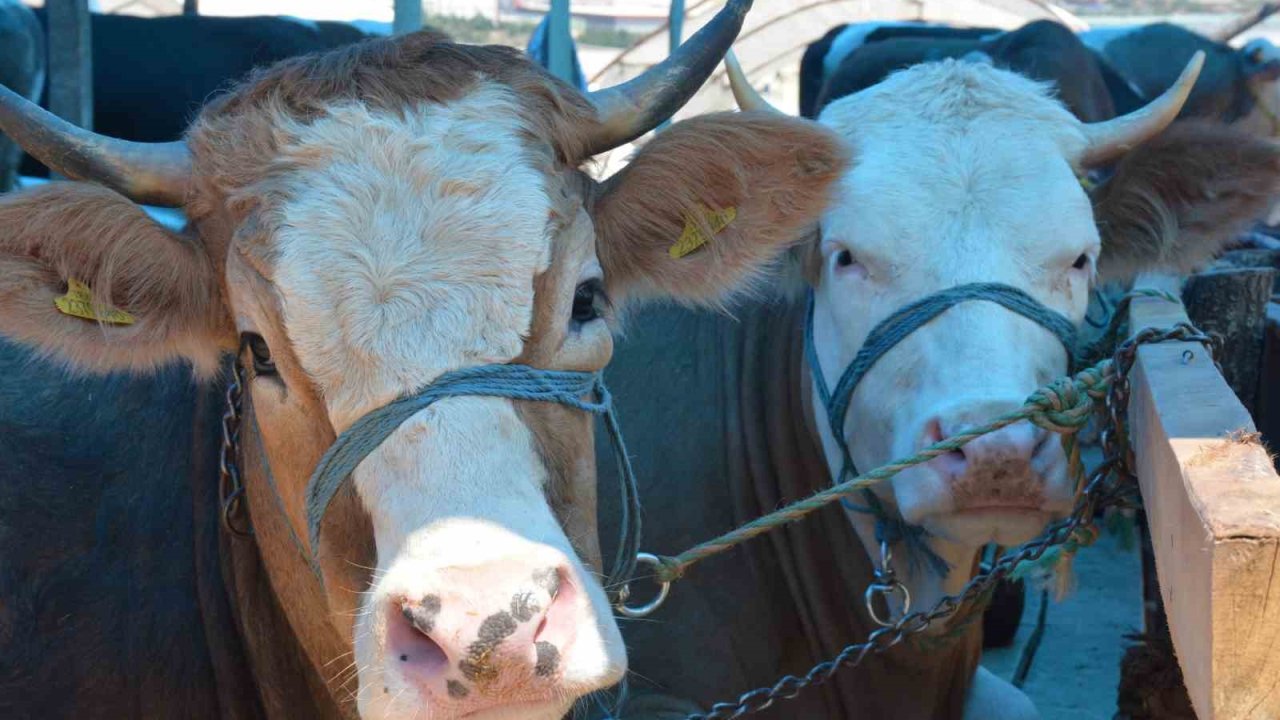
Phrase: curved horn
(150, 173)
(627, 111)
(748, 98)
(1228, 32)
(1112, 138)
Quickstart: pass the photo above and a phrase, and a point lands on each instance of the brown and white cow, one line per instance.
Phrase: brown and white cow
(361, 222)
(962, 173)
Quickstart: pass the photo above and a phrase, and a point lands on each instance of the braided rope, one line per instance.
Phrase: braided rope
(1062, 406)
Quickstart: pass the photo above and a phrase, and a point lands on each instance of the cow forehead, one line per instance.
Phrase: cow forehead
(408, 245)
(958, 162)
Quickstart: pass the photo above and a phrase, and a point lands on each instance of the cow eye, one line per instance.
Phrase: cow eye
(589, 302)
(262, 362)
(844, 259)
(1081, 262)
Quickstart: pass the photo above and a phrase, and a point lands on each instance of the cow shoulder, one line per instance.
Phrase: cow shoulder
(991, 697)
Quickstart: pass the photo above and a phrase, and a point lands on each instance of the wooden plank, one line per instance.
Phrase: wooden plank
(407, 16)
(70, 61)
(1213, 501)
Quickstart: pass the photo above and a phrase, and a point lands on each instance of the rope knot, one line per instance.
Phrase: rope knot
(1061, 407)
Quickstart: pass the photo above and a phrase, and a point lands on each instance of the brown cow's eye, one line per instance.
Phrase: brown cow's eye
(589, 302)
(262, 362)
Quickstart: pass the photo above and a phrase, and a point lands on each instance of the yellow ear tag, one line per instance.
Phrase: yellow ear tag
(78, 302)
(1087, 182)
(693, 236)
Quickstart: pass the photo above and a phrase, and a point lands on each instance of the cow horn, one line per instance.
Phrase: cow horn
(1112, 138)
(627, 111)
(1228, 32)
(748, 98)
(149, 173)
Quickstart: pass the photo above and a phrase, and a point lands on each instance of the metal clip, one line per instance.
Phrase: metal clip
(650, 607)
(886, 583)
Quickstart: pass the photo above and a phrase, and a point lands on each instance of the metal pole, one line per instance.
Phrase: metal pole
(408, 16)
(190, 7)
(675, 32)
(559, 58)
(70, 61)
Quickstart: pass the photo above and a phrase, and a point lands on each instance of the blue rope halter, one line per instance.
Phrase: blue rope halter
(516, 382)
(883, 338)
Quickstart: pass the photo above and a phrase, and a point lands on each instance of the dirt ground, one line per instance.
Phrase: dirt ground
(1077, 667)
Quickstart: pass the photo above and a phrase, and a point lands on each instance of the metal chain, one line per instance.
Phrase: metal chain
(230, 486)
(1098, 494)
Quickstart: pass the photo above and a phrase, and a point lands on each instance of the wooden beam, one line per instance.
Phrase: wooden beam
(407, 16)
(70, 61)
(1212, 499)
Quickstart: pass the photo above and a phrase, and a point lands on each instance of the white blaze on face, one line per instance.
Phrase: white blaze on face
(409, 247)
(960, 177)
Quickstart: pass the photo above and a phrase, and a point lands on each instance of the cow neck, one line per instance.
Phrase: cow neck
(825, 565)
(293, 647)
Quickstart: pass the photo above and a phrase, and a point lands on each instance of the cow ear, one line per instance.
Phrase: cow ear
(88, 279)
(1176, 200)
(708, 204)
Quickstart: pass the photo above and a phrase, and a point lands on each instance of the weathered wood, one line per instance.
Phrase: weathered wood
(1213, 501)
(70, 61)
(407, 17)
(1252, 258)
(1233, 304)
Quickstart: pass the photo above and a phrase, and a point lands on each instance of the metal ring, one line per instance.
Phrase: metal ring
(888, 588)
(664, 589)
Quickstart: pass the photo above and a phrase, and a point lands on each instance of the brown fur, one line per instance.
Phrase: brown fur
(776, 172)
(1176, 200)
(89, 233)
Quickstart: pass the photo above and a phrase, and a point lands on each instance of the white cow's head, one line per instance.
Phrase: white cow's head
(364, 221)
(966, 173)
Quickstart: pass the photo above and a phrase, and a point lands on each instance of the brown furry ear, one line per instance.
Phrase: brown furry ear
(164, 283)
(711, 202)
(1176, 200)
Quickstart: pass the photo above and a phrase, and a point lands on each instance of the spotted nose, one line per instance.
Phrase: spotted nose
(487, 633)
(1002, 469)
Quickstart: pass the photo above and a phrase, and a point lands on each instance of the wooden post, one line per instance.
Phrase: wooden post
(559, 57)
(190, 7)
(70, 61)
(408, 16)
(1212, 499)
(1233, 304)
(1268, 413)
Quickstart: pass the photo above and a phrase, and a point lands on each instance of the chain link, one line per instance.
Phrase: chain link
(230, 486)
(1112, 484)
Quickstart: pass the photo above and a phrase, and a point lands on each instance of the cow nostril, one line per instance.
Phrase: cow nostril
(409, 635)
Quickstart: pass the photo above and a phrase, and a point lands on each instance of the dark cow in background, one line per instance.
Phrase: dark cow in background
(823, 56)
(1238, 85)
(152, 75)
(22, 70)
(1041, 50)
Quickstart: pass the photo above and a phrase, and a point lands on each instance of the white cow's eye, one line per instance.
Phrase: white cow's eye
(589, 302)
(844, 259)
(1081, 262)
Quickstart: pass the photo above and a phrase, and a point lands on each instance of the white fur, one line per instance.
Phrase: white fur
(409, 247)
(963, 175)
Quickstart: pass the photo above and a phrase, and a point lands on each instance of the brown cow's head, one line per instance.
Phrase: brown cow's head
(965, 173)
(365, 221)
